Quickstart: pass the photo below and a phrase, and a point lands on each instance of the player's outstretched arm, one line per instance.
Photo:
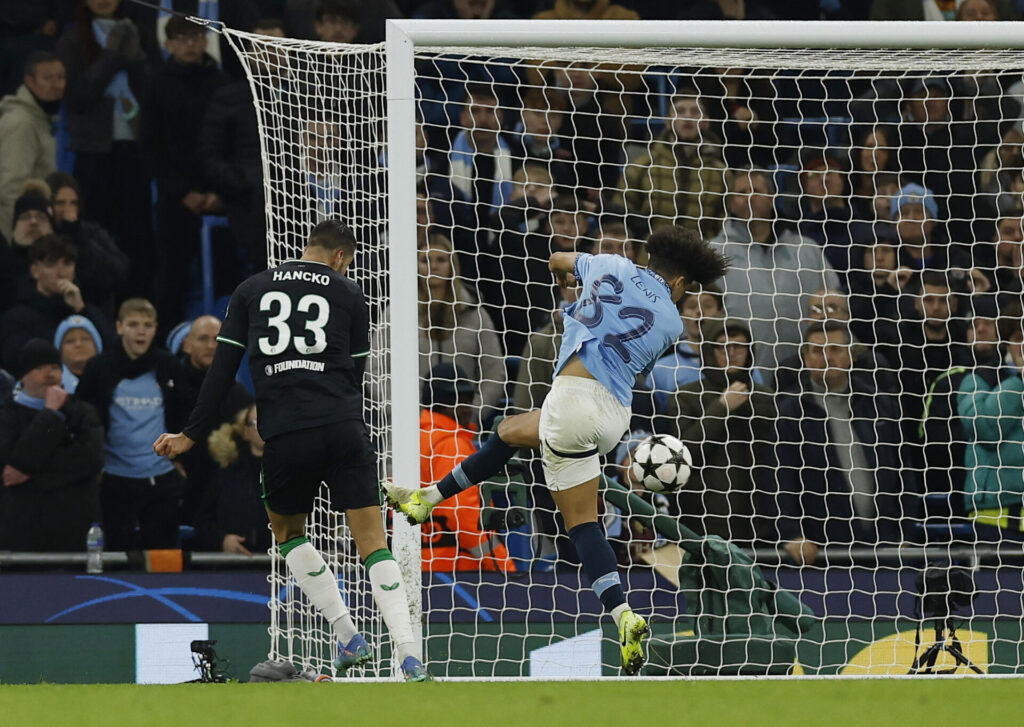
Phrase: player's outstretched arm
(171, 445)
(562, 264)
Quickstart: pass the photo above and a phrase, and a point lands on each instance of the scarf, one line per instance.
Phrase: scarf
(127, 368)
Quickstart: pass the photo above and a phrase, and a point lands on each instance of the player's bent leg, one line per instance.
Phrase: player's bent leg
(387, 587)
(317, 581)
(514, 433)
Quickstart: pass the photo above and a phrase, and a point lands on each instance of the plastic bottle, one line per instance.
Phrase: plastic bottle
(94, 549)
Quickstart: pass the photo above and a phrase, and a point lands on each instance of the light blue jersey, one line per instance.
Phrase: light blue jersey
(622, 323)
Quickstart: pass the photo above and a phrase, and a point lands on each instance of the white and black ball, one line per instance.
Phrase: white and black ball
(662, 463)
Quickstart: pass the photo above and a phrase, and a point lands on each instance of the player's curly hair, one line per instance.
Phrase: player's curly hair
(679, 250)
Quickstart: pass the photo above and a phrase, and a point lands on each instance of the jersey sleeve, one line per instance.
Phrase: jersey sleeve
(234, 331)
(581, 267)
(359, 334)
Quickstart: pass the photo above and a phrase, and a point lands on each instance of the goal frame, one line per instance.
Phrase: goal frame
(405, 37)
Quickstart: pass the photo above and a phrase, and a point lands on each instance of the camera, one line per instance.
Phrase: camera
(944, 591)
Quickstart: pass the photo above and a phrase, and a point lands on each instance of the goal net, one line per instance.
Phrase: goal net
(850, 392)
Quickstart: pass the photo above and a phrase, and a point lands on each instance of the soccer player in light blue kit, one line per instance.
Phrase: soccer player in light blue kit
(624, 320)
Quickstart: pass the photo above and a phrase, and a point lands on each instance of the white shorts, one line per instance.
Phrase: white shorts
(580, 420)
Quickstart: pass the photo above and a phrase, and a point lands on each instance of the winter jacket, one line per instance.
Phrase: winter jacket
(991, 414)
(768, 284)
(28, 149)
(666, 186)
(177, 101)
(730, 448)
(90, 113)
(62, 452)
(232, 504)
(812, 497)
(452, 538)
(37, 316)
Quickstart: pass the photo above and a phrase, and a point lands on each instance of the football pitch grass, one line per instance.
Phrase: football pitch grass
(804, 703)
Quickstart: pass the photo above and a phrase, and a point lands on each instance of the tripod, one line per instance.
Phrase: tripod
(925, 663)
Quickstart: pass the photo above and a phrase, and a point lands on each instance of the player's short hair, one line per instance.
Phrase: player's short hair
(136, 306)
(36, 59)
(51, 248)
(676, 250)
(332, 235)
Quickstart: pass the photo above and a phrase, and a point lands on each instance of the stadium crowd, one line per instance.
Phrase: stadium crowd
(855, 377)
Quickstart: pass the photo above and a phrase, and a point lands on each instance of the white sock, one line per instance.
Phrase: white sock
(321, 588)
(431, 494)
(618, 611)
(389, 593)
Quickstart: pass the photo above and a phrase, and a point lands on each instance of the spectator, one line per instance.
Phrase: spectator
(587, 10)
(773, 270)
(453, 538)
(198, 348)
(594, 133)
(51, 448)
(54, 298)
(107, 77)
(740, 103)
(874, 166)
(102, 268)
(231, 517)
(681, 178)
(727, 10)
(936, 151)
(989, 403)
(613, 238)
(229, 150)
(874, 293)
(840, 476)
(480, 165)
(682, 365)
(453, 329)
(32, 220)
(26, 27)
(78, 340)
(337, 21)
(726, 418)
(930, 342)
(825, 212)
(1004, 266)
(1000, 168)
(536, 137)
(979, 10)
(915, 212)
(175, 106)
(134, 387)
(28, 148)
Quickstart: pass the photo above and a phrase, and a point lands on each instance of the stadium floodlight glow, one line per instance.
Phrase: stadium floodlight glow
(339, 128)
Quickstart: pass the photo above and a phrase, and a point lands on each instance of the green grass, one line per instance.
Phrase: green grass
(870, 703)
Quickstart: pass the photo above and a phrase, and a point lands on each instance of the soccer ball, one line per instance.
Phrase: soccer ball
(662, 463)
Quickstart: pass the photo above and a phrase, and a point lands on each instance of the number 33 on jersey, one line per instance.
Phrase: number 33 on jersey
(306, 330)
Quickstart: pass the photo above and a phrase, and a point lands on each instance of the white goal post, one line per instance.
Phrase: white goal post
(384, 79)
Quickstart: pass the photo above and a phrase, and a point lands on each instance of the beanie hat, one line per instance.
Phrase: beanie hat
(77, 321)
(30, 201)
(177, 336)
(35, 353)
(915, 194)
